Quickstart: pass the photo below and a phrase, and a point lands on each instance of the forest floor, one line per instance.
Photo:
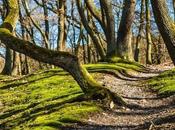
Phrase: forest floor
(43, 101)
(148, 110)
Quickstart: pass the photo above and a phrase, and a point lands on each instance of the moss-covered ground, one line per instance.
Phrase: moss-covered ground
(45, 100)
(51, 99)
(164, 83)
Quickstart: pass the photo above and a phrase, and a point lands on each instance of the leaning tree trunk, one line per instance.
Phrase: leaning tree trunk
(64, 60)
(124, 47)
(165, 25)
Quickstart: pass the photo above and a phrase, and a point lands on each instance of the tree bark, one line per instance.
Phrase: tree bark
(89, 49)
(44, 2)
(61, 41)
(7, 70)
(165, 25)
(140, 33)
(148, 33)
(106, 6)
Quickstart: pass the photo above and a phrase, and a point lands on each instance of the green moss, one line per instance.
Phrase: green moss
(89, 77)
(164, 83)
(115, 68)
(44, 100)
(125, 62)
(4, 31)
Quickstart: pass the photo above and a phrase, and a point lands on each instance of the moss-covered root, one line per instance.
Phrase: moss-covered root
(94, 90)
(115, 60)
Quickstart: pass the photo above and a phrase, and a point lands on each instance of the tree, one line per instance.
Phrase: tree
(12, 63)
(165, 25)
(124, 47)
(140, 33)
(67, 61)
(61, 6)
(44, 2)
(148, 33)
(7, 70)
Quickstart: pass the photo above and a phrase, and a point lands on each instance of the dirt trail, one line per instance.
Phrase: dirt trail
(147, 106)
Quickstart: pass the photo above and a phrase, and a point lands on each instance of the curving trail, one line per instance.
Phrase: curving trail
(145, 111)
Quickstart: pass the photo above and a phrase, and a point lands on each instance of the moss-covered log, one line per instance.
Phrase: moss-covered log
(61, 59)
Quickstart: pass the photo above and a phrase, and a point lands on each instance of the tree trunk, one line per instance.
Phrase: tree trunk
(61, 41)
(165, 25)
(44, 2)
(106, 6)
(16, 70)
(159, 49)
(7, 70)
(140, 33)
(124, 48)
(89, 49)
(148, 34)
(23, 67)
(84, 51)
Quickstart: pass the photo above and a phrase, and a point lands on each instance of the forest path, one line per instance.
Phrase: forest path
(146, 105)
